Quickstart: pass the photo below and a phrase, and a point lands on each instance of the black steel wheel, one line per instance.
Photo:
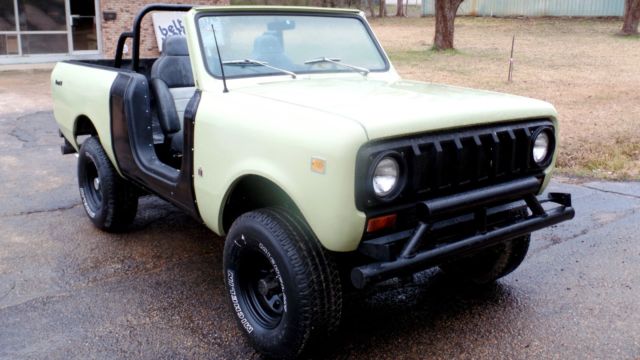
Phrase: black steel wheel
(92, 190)
(110, 201)
(261, 289)
(283, 285)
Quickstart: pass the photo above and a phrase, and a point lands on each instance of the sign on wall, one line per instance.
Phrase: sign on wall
(167, 24)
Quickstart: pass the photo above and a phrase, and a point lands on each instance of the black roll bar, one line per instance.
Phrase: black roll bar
(135, 32)
(120, 48)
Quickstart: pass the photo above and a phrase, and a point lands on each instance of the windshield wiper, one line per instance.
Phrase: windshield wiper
(361, 70)
(249, 62)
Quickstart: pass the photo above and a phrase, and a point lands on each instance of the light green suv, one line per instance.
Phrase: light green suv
(289, 131)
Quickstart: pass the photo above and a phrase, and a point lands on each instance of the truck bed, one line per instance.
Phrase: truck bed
(109, 64)
(81, 89)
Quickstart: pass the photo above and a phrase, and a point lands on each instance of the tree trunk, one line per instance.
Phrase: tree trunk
(370, 6)
(631, 17)
(383, 8)
(445, 16)
(400, 11)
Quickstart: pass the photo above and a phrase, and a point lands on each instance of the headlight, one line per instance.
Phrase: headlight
(542, 147)
(386, 176)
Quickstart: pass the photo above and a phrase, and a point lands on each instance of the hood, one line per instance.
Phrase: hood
(388, 109)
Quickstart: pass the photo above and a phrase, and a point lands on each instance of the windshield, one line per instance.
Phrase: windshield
(287, 42)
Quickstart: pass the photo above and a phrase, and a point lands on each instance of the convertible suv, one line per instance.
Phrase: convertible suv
(288, 131)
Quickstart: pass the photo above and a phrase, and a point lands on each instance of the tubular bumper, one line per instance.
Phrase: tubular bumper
(410, 261)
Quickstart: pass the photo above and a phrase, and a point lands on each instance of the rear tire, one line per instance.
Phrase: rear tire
(490, 264)
(110, 201)
(284, 287)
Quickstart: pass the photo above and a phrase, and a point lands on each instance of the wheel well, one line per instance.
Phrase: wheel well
(83, 126)
(253, 192)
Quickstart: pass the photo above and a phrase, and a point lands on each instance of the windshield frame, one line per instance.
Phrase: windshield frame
(374, 40)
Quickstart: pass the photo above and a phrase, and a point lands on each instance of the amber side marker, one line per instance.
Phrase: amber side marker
(318, 165)
(381, 222)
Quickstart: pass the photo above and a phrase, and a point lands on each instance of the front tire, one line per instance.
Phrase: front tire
(284, 288)
(110, 202)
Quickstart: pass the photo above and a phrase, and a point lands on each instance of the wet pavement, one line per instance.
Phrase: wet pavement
(68, 290)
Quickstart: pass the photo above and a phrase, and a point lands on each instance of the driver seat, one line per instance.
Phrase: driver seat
(172, 86)
(268, 48)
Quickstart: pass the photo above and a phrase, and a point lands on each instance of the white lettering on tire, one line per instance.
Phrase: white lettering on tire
(236, 304)
(83, 196)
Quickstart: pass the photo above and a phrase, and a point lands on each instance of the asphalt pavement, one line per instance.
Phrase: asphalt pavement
(70, 291)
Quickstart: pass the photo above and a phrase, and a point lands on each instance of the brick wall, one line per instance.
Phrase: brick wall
(126, 11)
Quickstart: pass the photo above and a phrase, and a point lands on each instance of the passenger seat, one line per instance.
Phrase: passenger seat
(172, 86)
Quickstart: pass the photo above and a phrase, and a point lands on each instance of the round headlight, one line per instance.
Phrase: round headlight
(541, 147)
(385, 176)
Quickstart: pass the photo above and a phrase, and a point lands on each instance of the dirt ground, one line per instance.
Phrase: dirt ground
(579, 65)
(27, 90)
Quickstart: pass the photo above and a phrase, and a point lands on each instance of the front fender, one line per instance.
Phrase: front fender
(277, 141)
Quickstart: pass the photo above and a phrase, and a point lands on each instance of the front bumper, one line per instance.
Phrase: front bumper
(481, 204)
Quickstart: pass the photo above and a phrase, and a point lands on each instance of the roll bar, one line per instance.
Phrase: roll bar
(135, 33)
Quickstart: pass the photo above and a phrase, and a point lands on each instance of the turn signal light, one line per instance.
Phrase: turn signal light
(381, 223)
(318, 165)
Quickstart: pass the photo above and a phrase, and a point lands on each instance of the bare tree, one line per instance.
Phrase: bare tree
(631, 17)
(382, 10)
(445, 16)
(400, 11)
(370, 6)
